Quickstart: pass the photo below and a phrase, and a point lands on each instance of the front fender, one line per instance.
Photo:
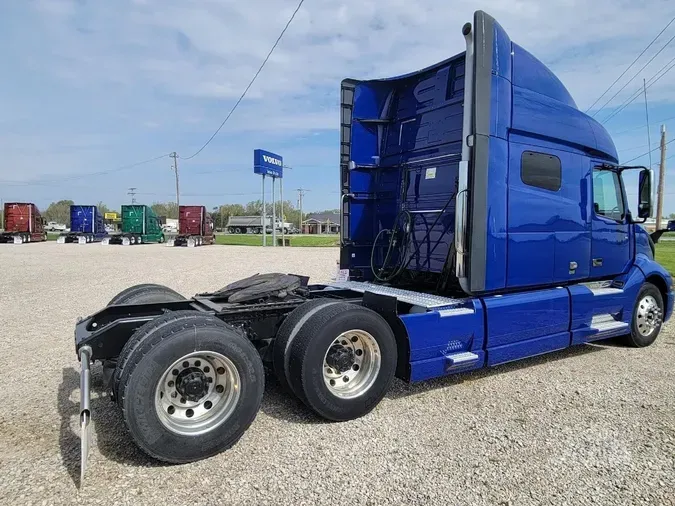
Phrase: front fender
(656, 274)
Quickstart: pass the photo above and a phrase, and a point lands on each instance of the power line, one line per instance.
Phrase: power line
(641, 146)
(637, 74)
(642, 126)
(79, 176)
(290, 20)
(631, 65)
(645, 154)
(637, 93)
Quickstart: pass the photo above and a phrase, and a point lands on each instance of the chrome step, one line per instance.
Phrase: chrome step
(457, 360)
(602, 288)
(607, 323)
(606, 291)
(610, 326)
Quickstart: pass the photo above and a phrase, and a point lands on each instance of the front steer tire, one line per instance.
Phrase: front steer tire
(159, 344)
(146, 293)
(340, 323)
(647, 317)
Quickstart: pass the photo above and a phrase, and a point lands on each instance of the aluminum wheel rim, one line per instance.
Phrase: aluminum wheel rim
(364, 353)
(648, 316)
(196, 417)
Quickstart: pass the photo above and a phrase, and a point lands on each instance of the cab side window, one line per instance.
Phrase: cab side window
(541, 170)
(607, 197)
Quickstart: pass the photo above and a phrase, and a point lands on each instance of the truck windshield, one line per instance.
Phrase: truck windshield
(607, 196)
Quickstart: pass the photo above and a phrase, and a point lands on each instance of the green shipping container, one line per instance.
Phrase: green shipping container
(137, 219)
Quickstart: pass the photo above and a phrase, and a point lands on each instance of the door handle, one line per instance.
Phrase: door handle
(597, 262)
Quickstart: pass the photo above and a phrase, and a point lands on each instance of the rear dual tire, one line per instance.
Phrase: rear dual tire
(339, 359)
(178, 345)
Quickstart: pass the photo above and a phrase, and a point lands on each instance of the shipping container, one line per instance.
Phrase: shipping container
(195, 227)
(139, 225)
(22, 222)
(86, 226)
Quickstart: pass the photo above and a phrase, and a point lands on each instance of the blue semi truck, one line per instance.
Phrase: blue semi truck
(86, 226)
(484, 220)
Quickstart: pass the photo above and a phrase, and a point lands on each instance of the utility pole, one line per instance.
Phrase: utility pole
(132, 192)
(301, 193)
(662, 176)
(175, 169)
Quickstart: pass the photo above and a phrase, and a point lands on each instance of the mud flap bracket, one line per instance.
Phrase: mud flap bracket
(85, 410)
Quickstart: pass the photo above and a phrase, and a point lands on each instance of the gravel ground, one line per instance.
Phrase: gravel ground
(590, 425)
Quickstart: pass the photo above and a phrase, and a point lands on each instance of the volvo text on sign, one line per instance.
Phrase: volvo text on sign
(268, 164)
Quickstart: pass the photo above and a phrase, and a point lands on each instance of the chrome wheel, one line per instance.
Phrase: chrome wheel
(197, 393)
(648, 316)
(351, 364)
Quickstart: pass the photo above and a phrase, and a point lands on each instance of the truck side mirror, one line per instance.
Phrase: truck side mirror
(645, 205)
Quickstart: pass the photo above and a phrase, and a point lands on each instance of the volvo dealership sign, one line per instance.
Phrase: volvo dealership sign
(272, 165)
(268, 164)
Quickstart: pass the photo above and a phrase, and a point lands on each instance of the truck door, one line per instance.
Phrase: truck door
(610, 249)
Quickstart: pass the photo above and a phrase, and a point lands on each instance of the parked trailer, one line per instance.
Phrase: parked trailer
(86, 226)
(139, 225)
(195, 227)
(537, 253)
(22, 223)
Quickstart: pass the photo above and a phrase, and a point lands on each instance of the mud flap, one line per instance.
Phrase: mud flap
(85, 411)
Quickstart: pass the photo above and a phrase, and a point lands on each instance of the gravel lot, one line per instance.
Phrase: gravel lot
(591, 425)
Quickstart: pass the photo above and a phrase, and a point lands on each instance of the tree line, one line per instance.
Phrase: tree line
(60, 211)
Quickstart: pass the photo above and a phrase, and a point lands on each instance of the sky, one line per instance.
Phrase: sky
(91, 87)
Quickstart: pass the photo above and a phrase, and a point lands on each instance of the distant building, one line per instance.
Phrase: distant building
(321, 223)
